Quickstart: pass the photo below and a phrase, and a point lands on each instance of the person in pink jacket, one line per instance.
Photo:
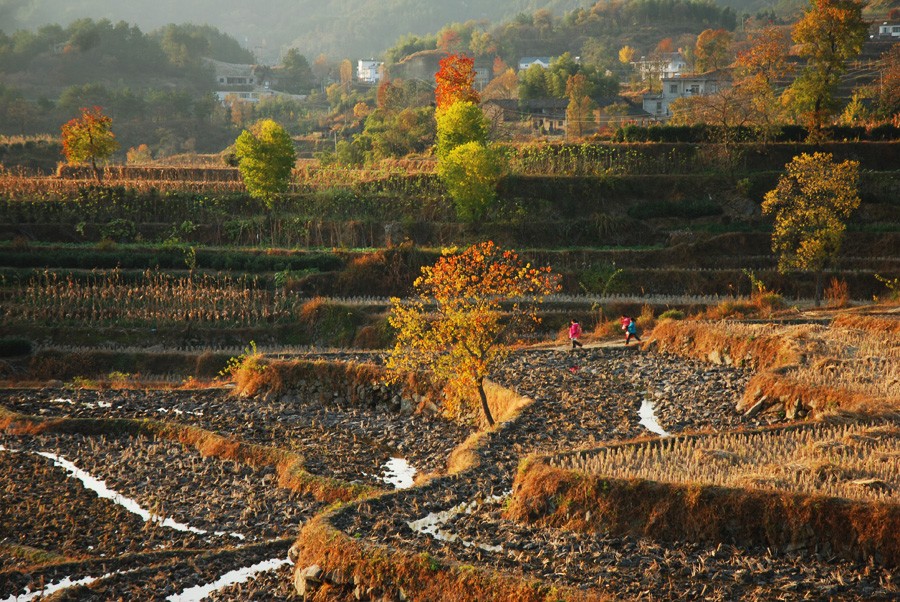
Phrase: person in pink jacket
(575, 334)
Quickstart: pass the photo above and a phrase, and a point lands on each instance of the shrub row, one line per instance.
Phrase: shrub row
(64, 365)
(370, 275)
(785, 133)
(172, 257)
(32, 154)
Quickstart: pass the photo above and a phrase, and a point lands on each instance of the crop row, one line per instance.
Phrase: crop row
(860, 461)
(157, 298)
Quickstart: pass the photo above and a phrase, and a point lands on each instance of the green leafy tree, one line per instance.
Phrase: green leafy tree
(811, 204)
(471, 172)
(399, 133)
(580, 110)
(829, 34)
(265, 156)
(467, 312)
(458, 124)
(297, 72)
(537, 82)
(90, 139)
(532, 82)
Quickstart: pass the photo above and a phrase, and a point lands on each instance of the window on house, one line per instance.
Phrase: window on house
(695, 89)
(659, 106)
(673, 88)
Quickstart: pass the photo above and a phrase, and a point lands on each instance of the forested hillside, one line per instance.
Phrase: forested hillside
(595, 34)
(337, 28)
(155, 85)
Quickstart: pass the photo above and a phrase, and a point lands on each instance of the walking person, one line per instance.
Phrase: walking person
(575, 334)
(631, 331)
(625, 321)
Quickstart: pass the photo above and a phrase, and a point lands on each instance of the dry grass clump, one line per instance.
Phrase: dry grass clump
(837, 294)
(761, 346)
(828, 488)
(876, 325)
(820, 368)
(835, 460)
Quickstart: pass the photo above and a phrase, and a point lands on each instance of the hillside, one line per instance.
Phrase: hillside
(338, 28)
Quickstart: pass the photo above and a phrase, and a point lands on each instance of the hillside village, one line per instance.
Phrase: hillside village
(197, 97)
(576, 306)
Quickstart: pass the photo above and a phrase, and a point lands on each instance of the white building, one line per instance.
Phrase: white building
(527, 61)
(889, 29)
(703, 84)
(249, 83)
(667, 64)
(369, 71)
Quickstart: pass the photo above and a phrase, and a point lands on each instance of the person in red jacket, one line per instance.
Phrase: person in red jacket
(575, 334)
(625, 321)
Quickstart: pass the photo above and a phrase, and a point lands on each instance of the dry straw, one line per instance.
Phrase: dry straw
(856, 460)
(155, 298)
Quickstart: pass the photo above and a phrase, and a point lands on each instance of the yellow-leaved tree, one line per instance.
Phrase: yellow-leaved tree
(467, 311)
(811, 203)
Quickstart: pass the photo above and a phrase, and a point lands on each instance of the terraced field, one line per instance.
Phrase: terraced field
(131, 467)
(191, 513)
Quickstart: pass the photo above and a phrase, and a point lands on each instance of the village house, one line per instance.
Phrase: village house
(545, 116)
(249, 83)
(527, 61)
(889, 29)
(684, 86)
(369, 71)
(667, 64)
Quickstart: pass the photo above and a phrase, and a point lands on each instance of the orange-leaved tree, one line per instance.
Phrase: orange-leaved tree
(759, 69)
(712, 49)
(455, 81)
(467, 311)
(89, 138)
(830, 33)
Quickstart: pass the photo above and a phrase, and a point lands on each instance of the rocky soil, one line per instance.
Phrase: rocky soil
(345, 442)
(582, 399)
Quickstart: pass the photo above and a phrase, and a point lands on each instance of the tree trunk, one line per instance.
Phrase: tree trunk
(484, 403)
(97, 173)
(819, 278)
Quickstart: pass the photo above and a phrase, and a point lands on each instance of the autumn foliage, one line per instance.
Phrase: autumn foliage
(812, 203)
(464, 317)
(89, 139)
(455, 82)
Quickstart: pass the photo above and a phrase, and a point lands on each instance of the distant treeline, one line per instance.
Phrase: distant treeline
(166, 51)
(595, 33)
